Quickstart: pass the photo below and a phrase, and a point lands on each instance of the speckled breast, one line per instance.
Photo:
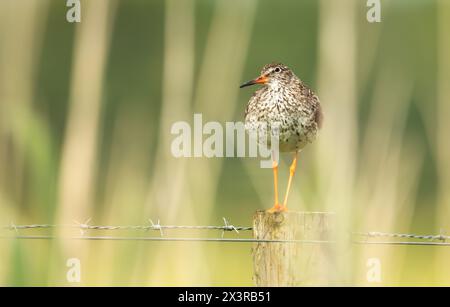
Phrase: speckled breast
(295, 128)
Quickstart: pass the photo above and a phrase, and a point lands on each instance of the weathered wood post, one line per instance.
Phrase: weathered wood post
(296, 263)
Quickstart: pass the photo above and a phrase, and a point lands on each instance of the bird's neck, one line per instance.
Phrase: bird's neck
(282, 85)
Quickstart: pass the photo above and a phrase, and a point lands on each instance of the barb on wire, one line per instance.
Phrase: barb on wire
(157, 227)
(83, 226)
(14, 227)
(228, 227)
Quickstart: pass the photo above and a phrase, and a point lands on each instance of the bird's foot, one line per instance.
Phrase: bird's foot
(277, 208)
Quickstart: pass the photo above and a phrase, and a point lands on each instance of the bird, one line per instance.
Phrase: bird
(286, 103)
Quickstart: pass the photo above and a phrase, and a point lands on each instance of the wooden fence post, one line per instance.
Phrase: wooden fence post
(291, 264)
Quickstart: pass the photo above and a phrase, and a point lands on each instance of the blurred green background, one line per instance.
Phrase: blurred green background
(86, 110)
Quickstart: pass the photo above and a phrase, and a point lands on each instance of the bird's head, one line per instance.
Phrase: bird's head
(274, 74)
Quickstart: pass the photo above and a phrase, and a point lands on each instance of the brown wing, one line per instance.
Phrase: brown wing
(318, 116)
(313, 100)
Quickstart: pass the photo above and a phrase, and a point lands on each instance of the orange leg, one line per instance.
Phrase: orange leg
(276, 207)
(291, 176)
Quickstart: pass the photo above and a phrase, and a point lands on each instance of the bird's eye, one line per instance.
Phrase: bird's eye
(278, 69)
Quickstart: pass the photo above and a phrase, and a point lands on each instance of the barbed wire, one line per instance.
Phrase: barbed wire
(373, 234)
(151, 226)
(173, 239)
(427, 240)
(424, 240)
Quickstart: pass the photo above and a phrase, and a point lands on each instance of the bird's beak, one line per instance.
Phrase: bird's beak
(260, 80)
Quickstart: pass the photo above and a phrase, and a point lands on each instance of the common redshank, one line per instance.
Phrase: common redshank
(286, 102)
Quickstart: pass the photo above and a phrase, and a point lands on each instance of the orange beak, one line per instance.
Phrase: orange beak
(260, 80)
